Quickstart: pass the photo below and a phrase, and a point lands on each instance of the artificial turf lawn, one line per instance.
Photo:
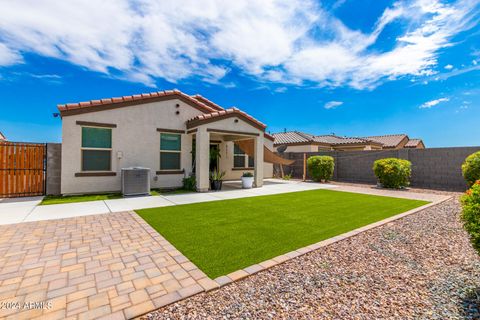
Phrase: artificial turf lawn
(224, 236)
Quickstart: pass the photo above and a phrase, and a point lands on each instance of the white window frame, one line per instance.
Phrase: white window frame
(245, 160)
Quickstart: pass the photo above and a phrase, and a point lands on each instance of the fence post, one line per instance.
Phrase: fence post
(304, 166)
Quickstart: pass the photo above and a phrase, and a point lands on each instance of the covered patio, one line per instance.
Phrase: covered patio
(229, 129)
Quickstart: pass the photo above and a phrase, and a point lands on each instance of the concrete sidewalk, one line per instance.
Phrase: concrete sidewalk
(28, 209)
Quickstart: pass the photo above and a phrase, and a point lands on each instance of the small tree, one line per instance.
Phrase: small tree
(392, 172)
(471, 214)
(471, 168)
(321, 167)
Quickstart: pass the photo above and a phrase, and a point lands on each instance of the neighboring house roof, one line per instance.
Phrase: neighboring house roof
(269, 136)
(389, 140)
(223, 114)
(111, 103)
(291, 138)
(336, 140)
(414, 143)
(297, 138)
(2, 137)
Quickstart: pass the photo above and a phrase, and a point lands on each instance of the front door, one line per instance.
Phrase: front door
(214, 157)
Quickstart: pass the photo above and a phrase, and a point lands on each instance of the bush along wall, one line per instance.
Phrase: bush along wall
(471, 214)
(393, 172)
(321, 168)
(471, 168)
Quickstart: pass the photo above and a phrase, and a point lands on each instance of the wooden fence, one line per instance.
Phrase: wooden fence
(22, 169)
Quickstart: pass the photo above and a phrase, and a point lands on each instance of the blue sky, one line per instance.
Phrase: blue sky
(353, 68)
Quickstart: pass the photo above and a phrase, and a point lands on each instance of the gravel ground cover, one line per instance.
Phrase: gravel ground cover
(418, 267)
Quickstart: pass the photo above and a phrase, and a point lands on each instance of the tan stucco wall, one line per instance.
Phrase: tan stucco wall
(137, 138)
(302, 148)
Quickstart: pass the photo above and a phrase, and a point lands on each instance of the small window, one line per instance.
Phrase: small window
(251, 162)
(238, 157)
(241, 159)
(170, 151)
(96, 149)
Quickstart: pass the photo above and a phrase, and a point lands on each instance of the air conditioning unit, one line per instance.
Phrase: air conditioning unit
(135, 181)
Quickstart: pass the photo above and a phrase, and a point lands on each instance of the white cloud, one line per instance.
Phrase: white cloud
(448, 67)
(332, 104)
(8, 56)
(432, 103)
(290, 42)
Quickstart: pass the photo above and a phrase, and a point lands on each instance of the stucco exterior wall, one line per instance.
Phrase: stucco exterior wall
(137, 139)
(302, 148)
(135, 136)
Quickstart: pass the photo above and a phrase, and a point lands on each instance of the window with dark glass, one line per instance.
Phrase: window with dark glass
(170, 151)
(96, 149)
(241, 159)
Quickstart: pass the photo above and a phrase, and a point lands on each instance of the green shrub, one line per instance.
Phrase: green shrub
(393, 172)
(471, 214)
(471, 168)
(287, 176)
(320, 167)
(190, 183)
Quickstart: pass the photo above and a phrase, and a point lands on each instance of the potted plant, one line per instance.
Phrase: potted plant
(216, 180)
(247, 180)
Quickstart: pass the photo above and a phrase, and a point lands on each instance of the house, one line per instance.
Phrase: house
(295, 141)
(2, 137)
(170, 132)
(415, 144)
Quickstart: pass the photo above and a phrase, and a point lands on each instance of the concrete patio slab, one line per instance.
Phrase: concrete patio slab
(191, 198)
(14, 214)
(67, 210)
(233, 194)
(127, 204)
(15, 210)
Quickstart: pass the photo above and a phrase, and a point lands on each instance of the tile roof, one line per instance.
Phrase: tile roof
(296, 137)
(95, 105)
(207, 102)
(269, 136)
(226, 113)
(291, 137)
(413, 143)
(389, 140)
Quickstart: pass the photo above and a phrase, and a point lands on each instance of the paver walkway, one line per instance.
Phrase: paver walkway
(88, 267)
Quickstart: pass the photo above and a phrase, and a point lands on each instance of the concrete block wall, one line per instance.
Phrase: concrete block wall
(54, 168)
(433, 168)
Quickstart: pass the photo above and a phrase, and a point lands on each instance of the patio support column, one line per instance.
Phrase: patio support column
(258, 163)
(202, 147)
